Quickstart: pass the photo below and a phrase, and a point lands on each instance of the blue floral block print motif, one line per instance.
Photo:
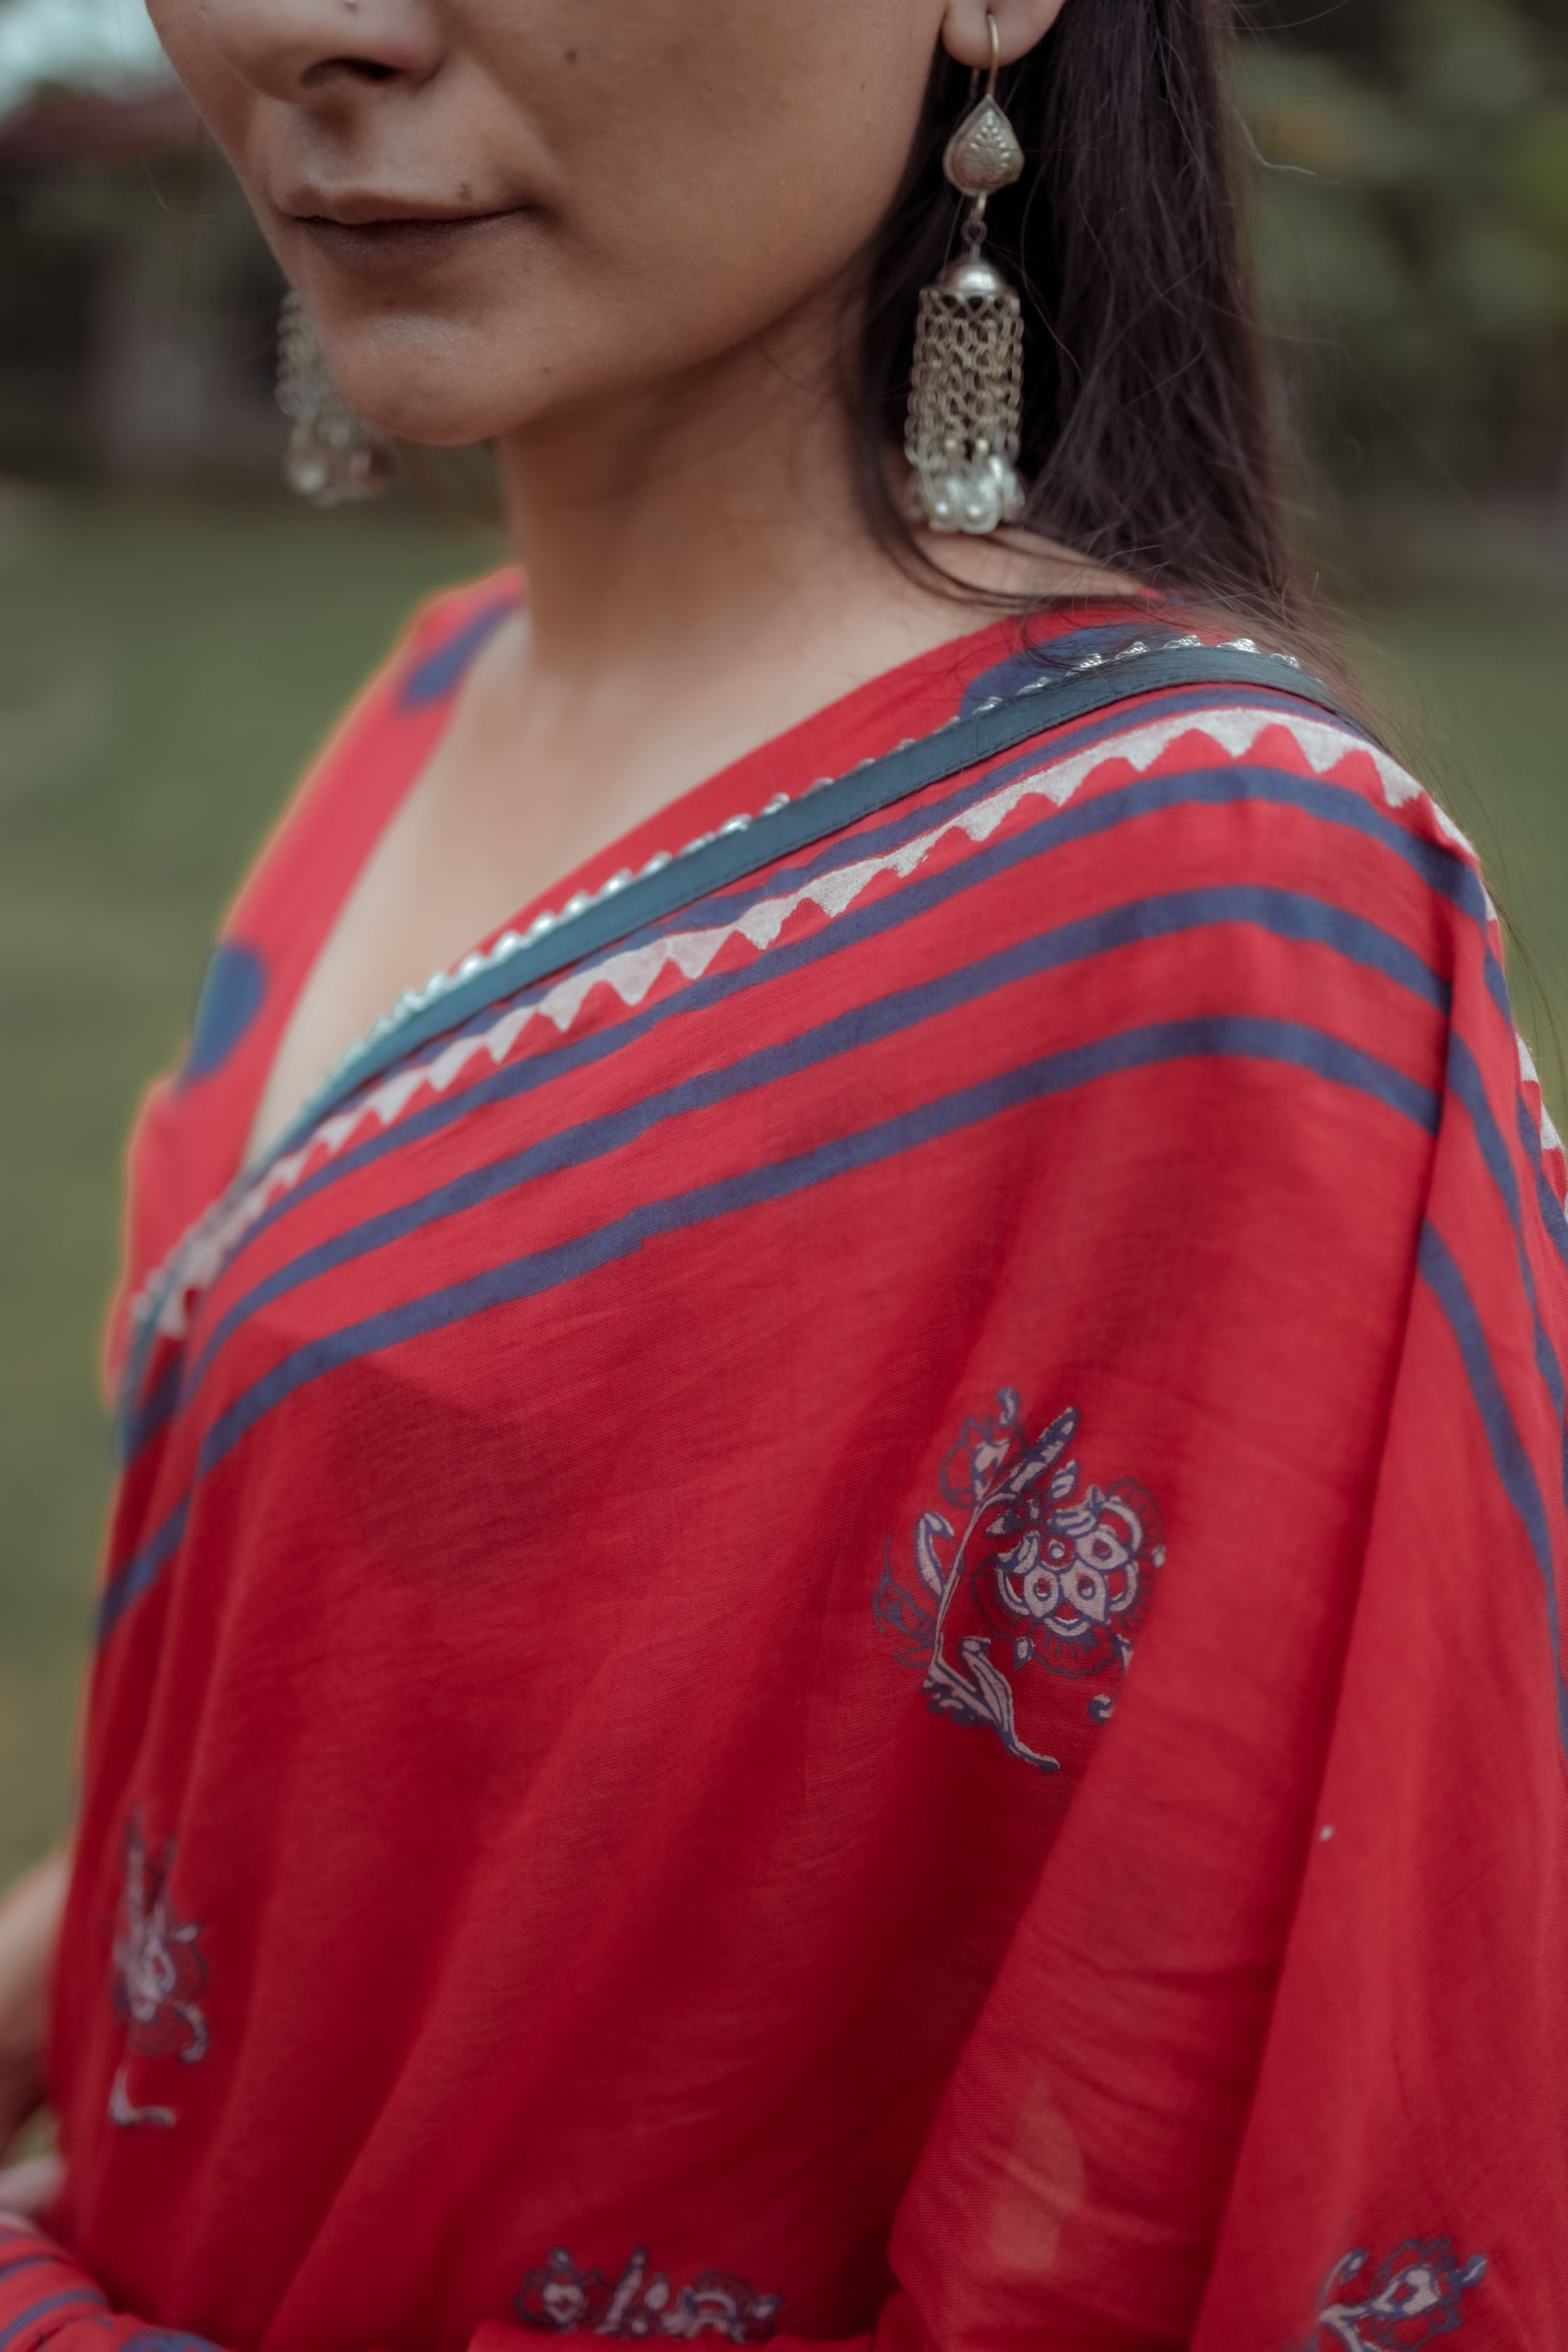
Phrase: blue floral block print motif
(159, 1975)
(1413, 2298)
(560, 2299)
(1060, 1575)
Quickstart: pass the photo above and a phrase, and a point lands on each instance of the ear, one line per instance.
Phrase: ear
(967, 35)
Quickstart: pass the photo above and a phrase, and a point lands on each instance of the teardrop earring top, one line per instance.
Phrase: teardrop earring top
(983, 153)
(963, 434)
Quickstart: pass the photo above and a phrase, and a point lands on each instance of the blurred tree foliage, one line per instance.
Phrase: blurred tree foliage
(1411, 231)
(136, 309)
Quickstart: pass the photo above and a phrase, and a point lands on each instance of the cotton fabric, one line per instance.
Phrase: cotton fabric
(848, 1629)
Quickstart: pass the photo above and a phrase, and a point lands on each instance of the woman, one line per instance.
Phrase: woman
(833, 1607)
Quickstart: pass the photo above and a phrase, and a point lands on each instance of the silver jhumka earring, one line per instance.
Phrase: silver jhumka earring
(965, 395)
(333, 454)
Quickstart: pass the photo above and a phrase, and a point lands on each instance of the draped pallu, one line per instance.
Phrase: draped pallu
(844, 1625)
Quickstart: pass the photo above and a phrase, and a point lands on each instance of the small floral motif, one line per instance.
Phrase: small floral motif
(560, 2299)
(1414, 2297)
(1060, 1575)
(159, 1976)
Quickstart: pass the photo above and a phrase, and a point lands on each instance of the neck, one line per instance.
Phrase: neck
(677, 523)
(700, 575)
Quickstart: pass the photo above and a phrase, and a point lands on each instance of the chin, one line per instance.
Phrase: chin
(455, 420)
(421, 389)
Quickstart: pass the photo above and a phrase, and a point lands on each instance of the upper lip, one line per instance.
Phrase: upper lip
(365, 209)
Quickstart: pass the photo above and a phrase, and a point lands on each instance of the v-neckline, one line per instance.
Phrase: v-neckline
(911, 697)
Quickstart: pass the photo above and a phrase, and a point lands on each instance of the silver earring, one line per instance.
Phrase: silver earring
(333, 454)
(966, 391)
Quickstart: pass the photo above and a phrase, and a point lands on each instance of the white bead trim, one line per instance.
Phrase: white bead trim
(441, 983)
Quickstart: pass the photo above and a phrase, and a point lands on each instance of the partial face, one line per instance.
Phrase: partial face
(501, 211)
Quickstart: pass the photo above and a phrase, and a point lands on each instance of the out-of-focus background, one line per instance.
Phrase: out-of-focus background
(175, 634)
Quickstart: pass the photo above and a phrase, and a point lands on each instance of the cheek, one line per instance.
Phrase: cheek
(711, 196)
(221, 98)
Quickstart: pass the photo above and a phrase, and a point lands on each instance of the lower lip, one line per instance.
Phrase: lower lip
(379, 246)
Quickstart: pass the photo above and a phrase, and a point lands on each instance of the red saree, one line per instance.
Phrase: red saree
(848, 1629)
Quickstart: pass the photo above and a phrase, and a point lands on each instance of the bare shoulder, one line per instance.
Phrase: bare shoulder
(1025, 565)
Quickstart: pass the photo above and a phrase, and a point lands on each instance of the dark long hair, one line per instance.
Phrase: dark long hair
(1146, 426)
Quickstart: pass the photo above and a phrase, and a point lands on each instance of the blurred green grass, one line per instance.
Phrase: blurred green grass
(165, 668)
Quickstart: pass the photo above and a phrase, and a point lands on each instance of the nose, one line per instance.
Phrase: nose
(322, 53)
